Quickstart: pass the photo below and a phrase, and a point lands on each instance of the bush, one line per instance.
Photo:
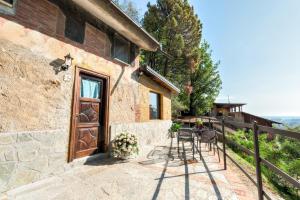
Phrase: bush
(282, 152)
(199, 122)
(175, 127)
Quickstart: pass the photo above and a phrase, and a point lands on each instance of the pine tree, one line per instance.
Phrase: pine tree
(175, 24)
(177, 27)
(206, 82)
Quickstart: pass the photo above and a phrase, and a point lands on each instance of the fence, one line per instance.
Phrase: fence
(256, 154)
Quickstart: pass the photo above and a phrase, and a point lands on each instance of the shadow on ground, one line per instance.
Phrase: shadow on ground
(170, 156)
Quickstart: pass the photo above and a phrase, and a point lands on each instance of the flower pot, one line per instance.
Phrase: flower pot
(200, 126)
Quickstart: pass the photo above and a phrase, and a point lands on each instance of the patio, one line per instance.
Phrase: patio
(162, 174)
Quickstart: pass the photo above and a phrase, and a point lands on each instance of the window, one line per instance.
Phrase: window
(7, 7)
(121, 49)
(154, 105)
(74, 29)
(90, 88)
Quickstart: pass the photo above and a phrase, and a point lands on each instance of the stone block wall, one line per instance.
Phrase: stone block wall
(149, 133)
(26, 157)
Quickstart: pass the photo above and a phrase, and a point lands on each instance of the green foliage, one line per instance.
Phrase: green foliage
(206, 82)
(177, 27)
(282, 152)
(175, 24)
(177, 106)
(297, 128)
(199, 122)
(294, 168)
(175, 127)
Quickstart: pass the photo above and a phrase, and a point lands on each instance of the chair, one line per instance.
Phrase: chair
(186, 135)
(209, 137)
(198, 132)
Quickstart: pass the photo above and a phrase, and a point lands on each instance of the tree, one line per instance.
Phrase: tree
(189, 66)
(130, 9)
(206, 82)
(177, 27)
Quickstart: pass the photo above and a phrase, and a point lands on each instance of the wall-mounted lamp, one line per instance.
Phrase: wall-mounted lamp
(67, 63)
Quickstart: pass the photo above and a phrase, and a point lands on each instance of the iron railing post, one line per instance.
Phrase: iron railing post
(224, 144)
(257, 161)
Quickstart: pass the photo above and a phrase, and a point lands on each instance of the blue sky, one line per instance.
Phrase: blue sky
(258, 44)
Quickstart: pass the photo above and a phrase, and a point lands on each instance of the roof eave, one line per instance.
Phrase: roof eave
(160, 79)
(109, 13)
(230, 104)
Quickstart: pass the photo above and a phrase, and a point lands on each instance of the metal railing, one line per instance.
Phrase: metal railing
(256, 153)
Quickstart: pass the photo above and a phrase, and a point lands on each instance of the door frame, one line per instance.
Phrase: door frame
(76, 92)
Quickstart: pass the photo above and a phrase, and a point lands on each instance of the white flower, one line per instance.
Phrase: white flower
(125, 144)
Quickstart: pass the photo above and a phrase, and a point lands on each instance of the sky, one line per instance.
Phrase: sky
(258, 45)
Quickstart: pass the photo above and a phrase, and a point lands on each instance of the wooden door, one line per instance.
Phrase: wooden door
(89, 121)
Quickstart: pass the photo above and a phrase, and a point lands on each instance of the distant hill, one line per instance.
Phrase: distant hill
(287, 121)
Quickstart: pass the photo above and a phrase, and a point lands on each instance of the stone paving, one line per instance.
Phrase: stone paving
(162, 174)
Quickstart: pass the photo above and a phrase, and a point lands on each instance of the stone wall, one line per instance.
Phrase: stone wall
(36, 101)
(32, 97)
(26, 157)
(149, 133)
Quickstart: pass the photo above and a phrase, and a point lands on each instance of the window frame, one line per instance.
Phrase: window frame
(159, 104)
(119, 37)
(7, 8)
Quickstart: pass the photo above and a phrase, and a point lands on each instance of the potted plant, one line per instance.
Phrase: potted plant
(199, 124)
(174, 128)
(125, 146)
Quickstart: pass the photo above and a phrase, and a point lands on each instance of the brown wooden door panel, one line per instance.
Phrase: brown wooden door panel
(87, 138)
(89, 112)
(89, 99)
(80, 154)
(87, 125)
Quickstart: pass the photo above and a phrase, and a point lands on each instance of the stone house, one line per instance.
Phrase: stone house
(57, 110)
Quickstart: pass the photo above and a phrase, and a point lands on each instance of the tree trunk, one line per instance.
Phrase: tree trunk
(192, 108)
(166, 69)
(151, 60)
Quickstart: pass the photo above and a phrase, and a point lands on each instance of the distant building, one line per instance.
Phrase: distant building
(223, 109)
(235, 112)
